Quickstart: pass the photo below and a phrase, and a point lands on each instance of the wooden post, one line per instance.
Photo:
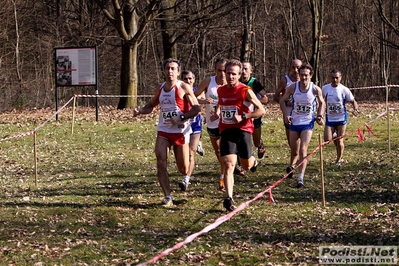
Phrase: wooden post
(389, 123)
(386, 96)
(35, 156)
(73, 113)
(389, 129)
(323, 196)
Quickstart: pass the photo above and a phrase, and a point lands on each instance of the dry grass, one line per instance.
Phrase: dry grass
(97, 200)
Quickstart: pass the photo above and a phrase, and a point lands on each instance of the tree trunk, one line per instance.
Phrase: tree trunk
(246, 40)
(129, 77)
(316, 8)
(168, 29)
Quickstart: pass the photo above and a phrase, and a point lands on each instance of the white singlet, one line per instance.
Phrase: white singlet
(304, 105)
(171, 105)
(211, 92)
(336, 98)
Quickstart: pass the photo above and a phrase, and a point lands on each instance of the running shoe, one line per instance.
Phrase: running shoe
(299, 184)
(253, 168)
(167, 203)
(261, 151)
(183, 185)
(228, 204)
(200, 150)
(221, 185)
(288, 170)
(338, 164)
(239, 171)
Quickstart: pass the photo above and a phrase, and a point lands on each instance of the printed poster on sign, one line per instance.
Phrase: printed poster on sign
(75, 66)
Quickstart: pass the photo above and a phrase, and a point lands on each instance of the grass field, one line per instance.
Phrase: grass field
(97, 201)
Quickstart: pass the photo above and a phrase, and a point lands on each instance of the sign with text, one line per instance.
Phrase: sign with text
(358, 255)
(76, 66)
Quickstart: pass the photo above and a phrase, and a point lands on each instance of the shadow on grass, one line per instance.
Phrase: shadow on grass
(354, 238)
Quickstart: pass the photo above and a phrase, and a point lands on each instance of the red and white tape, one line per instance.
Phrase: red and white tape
(243, 205)
(51, 117)
(18, 136)
(109, 96)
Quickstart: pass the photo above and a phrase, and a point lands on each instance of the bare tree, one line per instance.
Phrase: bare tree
(248, 33)
(389, 23)
(363, 42)
(169, 32)
(130, 18)
(316, 8)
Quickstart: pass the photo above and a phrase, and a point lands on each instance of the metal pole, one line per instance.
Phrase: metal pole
(56, 103)
(56, 87)
(97, 104)
(96, 83)
(389, 129)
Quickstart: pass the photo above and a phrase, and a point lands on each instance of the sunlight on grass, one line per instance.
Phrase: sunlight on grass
(98, 198)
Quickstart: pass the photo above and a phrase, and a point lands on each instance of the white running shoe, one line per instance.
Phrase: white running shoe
(200, 150)
(183, 185)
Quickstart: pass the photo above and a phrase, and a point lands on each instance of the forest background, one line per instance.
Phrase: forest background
(359, 37)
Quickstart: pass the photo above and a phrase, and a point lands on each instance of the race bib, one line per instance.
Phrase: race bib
(335, 108)
(168, 113)
(213, 107)
(303, 108)
(228, 112)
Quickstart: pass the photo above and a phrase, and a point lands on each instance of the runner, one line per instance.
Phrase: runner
(235, 105)
(305, 97)
(174, 98)
(209, 86)
(336, 96)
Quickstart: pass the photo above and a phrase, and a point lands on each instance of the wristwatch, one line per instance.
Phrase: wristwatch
(182, 117)
(244, 116)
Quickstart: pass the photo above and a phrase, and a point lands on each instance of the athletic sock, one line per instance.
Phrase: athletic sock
(300, 178)
(186, 178)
